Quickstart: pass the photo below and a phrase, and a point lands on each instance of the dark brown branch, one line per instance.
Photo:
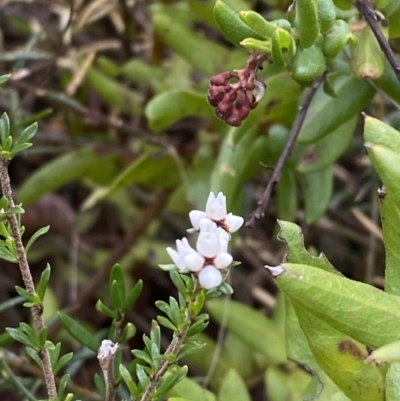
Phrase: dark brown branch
(372, 18)
(276, 175)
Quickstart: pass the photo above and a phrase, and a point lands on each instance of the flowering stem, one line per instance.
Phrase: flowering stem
(27, 277)
(276, 175)
(173, 349)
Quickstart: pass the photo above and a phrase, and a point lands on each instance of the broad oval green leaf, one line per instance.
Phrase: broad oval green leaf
(393, 383)
(188, 387)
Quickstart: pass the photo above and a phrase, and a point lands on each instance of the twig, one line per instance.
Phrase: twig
(27, 277)
(276, 175)
(173, 349)
(372, 18)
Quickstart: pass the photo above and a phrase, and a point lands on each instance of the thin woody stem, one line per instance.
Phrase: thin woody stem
(173, 349)
(27, 277)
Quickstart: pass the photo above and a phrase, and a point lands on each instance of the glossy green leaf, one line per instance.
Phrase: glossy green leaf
(114, 93)
(233, 388)
(317, 188)
(169, 107)
(306, 22)
(231, 25)
(4, 127)
(79, 332)
(393, 383)
(170, 381)
(263, 46)
(321, 292)
(6, 339)
(292, 236)
(261, 334)
(326, 113)
(57, 173)
(62, 386)
(328, 149)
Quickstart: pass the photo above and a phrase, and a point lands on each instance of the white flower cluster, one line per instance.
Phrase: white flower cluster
(211, 254)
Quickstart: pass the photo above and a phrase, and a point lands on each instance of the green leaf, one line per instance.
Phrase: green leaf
(115, 94)
(4, 128)
(62, 362)
(328, 149)
(166, 323)
(6, 339)
(306, 22)
(105, 310)
(27, 134)
(79, 332)
(318, 190)
(25, 294)
(35, 236)
(171, 380)
(287, 195)
(188, 387)
(169, 107)
(231, 25)
(261, 334)
(292, 236)
(233, 388)
(132, 387)
(21, 337)
(392, 382)
(128, 332)
(4, 78)
(204, 55)
(393, 15)
(55, 174)
(132, 296)
(321, 292)
(44, 280)
(150, 170)
(326, 113)
(34, 355)
(62, 386)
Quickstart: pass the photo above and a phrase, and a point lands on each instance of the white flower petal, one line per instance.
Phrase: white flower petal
(195, 217)
(210, 277)
(233, 222)
(216, 206)
(194, 261)
(223, 260)
(180, 264)
(207, 225)
(208, 244)
(184, 247)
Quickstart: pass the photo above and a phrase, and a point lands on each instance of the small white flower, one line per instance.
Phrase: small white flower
(210, 277)
(223, 260)
(208, 244)
(233, 223)
(216, 206)
(194, 261)
(216, 212)
(178, 256)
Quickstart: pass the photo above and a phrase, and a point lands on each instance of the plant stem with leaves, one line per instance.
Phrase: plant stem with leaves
(27, 277)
